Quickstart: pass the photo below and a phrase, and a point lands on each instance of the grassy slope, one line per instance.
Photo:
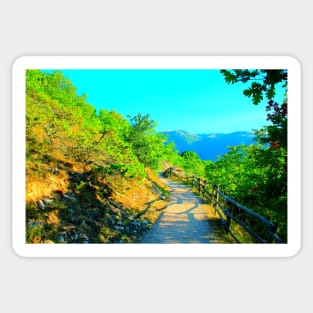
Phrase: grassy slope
(73, 201)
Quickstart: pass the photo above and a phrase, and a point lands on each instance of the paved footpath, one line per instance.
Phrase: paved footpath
(186, 219)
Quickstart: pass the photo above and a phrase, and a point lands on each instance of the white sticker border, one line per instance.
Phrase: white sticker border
(156, 250)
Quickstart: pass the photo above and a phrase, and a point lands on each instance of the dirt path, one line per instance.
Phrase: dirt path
(186, 219)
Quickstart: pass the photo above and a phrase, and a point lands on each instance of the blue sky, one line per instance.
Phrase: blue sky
(197, 101)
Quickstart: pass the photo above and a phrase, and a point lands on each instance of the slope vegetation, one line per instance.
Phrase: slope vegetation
(85, 182)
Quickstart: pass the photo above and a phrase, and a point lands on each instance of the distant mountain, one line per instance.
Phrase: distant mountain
(208, 146)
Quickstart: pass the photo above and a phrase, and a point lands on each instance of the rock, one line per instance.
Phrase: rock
(90, 219)
(144, 223)
(47, 201)
(84, 238)
(162, 197)
(70, 197)
(33, 223)
(83, 224)
(54, 170)
(41, 205)
(48, 241)
(61, 239)
(119, 228)
(155, 188)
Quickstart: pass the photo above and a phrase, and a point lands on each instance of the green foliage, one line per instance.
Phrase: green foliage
(263, 85)
(255, 92)
(192, 164)
(146, 143)
(57, 119)
(263, 82)
(34, 232)
(258, 178)
(171, 154)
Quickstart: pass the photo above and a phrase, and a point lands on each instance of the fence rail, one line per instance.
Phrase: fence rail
(229, 210)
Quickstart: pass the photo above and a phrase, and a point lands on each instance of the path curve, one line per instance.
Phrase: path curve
(186, 219)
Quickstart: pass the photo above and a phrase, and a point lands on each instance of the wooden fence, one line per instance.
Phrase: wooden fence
(230, 211)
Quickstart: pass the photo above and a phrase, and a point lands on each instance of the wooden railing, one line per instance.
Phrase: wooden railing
(230, 211)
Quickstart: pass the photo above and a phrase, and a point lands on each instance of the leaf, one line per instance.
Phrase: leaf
(248, 92)
(230, 78)
(257, 98)
(270, 93)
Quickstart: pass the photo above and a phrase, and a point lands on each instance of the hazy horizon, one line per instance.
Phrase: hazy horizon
(207, 133)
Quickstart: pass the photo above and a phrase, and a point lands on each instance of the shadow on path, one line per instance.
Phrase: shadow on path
(186, 219)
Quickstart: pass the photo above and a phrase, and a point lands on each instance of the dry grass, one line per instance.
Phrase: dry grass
(39, 186)
(136, 200)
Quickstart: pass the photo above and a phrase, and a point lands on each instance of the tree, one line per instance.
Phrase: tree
(263, 176)
(147, 145)
(192, 163)
(263, 84)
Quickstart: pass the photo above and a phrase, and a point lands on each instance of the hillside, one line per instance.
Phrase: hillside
(208, 146)
(85, 182)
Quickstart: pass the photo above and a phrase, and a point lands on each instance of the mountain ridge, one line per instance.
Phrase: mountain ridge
(208, 145)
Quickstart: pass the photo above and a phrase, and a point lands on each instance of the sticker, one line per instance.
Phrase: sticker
(156, 156)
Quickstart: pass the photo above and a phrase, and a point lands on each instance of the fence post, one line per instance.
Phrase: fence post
(273, 229)
(212, 198)
(204, 188)
(228, 219)
(193, 181)
(216, 197)
(199, 185)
